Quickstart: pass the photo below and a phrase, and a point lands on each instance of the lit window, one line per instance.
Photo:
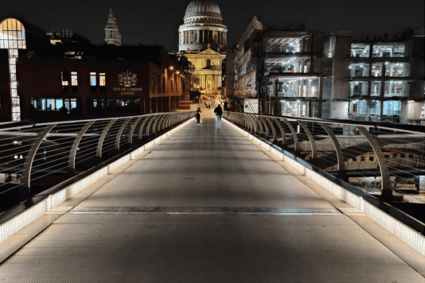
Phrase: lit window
(74, 78)
(12, 37)
(102, 79)
(93, 79)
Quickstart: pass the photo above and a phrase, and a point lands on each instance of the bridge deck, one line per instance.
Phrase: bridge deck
(207, 206)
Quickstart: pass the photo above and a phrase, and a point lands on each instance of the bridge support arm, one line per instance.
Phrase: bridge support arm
(387, 191)
(102, 138)
(73, 152)
(26, 173)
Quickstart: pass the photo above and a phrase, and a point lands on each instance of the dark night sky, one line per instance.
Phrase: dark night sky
(141, 21)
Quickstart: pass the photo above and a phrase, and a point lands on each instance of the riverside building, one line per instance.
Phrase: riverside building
(63, 76)
(297, 72)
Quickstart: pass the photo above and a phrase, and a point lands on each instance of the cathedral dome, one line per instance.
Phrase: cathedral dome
(199, 8)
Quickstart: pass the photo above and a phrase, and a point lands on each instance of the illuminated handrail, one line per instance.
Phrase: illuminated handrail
(34, 153)
(383, 139)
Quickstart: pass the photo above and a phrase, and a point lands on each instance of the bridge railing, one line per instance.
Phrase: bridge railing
(378, 158)
(37, 156)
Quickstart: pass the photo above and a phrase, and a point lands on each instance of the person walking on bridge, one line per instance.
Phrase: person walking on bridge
(218, 112)
(198, 116)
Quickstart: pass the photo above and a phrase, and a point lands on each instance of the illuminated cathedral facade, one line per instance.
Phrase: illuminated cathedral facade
(203, 40)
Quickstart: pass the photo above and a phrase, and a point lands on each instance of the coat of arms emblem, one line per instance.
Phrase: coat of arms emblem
(127, 79)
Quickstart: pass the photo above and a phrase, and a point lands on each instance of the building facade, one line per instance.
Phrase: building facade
(81, 79)
(203, 27)
(304, 73)
(203, 41)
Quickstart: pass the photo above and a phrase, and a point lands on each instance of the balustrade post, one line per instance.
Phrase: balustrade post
(295, 137)
(312, 141)
(133, 128)
(25, 190)
(119, 134)
(338, 150)
(386, 189)
(102, 139)
(74, 148)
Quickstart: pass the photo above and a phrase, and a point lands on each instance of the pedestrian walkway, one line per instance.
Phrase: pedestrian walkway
(208, 206)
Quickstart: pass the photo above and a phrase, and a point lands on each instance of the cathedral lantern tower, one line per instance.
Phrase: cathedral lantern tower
(202, 27)
(112, 34)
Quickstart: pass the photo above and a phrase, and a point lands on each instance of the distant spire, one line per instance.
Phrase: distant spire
(112, 33)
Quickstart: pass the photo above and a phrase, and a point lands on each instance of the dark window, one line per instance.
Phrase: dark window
(394, 155)
(402, 155)
(371, 158)
(208, 62)
(363, 158)
(410, 155)
(354, 159)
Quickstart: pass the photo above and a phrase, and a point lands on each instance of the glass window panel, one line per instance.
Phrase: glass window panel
(15, 101)
(375, 89)
(67, 104)
(93, 79)
(43, 104)
(73, 103)
(13, 53)
(59, 104)
(375, 106)
(102, 79)
(12, 24)
(51, 105)
(20, 46)
(34, 103)
(74, 78)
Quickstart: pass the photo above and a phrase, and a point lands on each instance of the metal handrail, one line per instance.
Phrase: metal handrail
(373, 140)
(60, 149)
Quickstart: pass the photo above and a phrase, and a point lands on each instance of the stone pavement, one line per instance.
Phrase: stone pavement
(208, 206)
